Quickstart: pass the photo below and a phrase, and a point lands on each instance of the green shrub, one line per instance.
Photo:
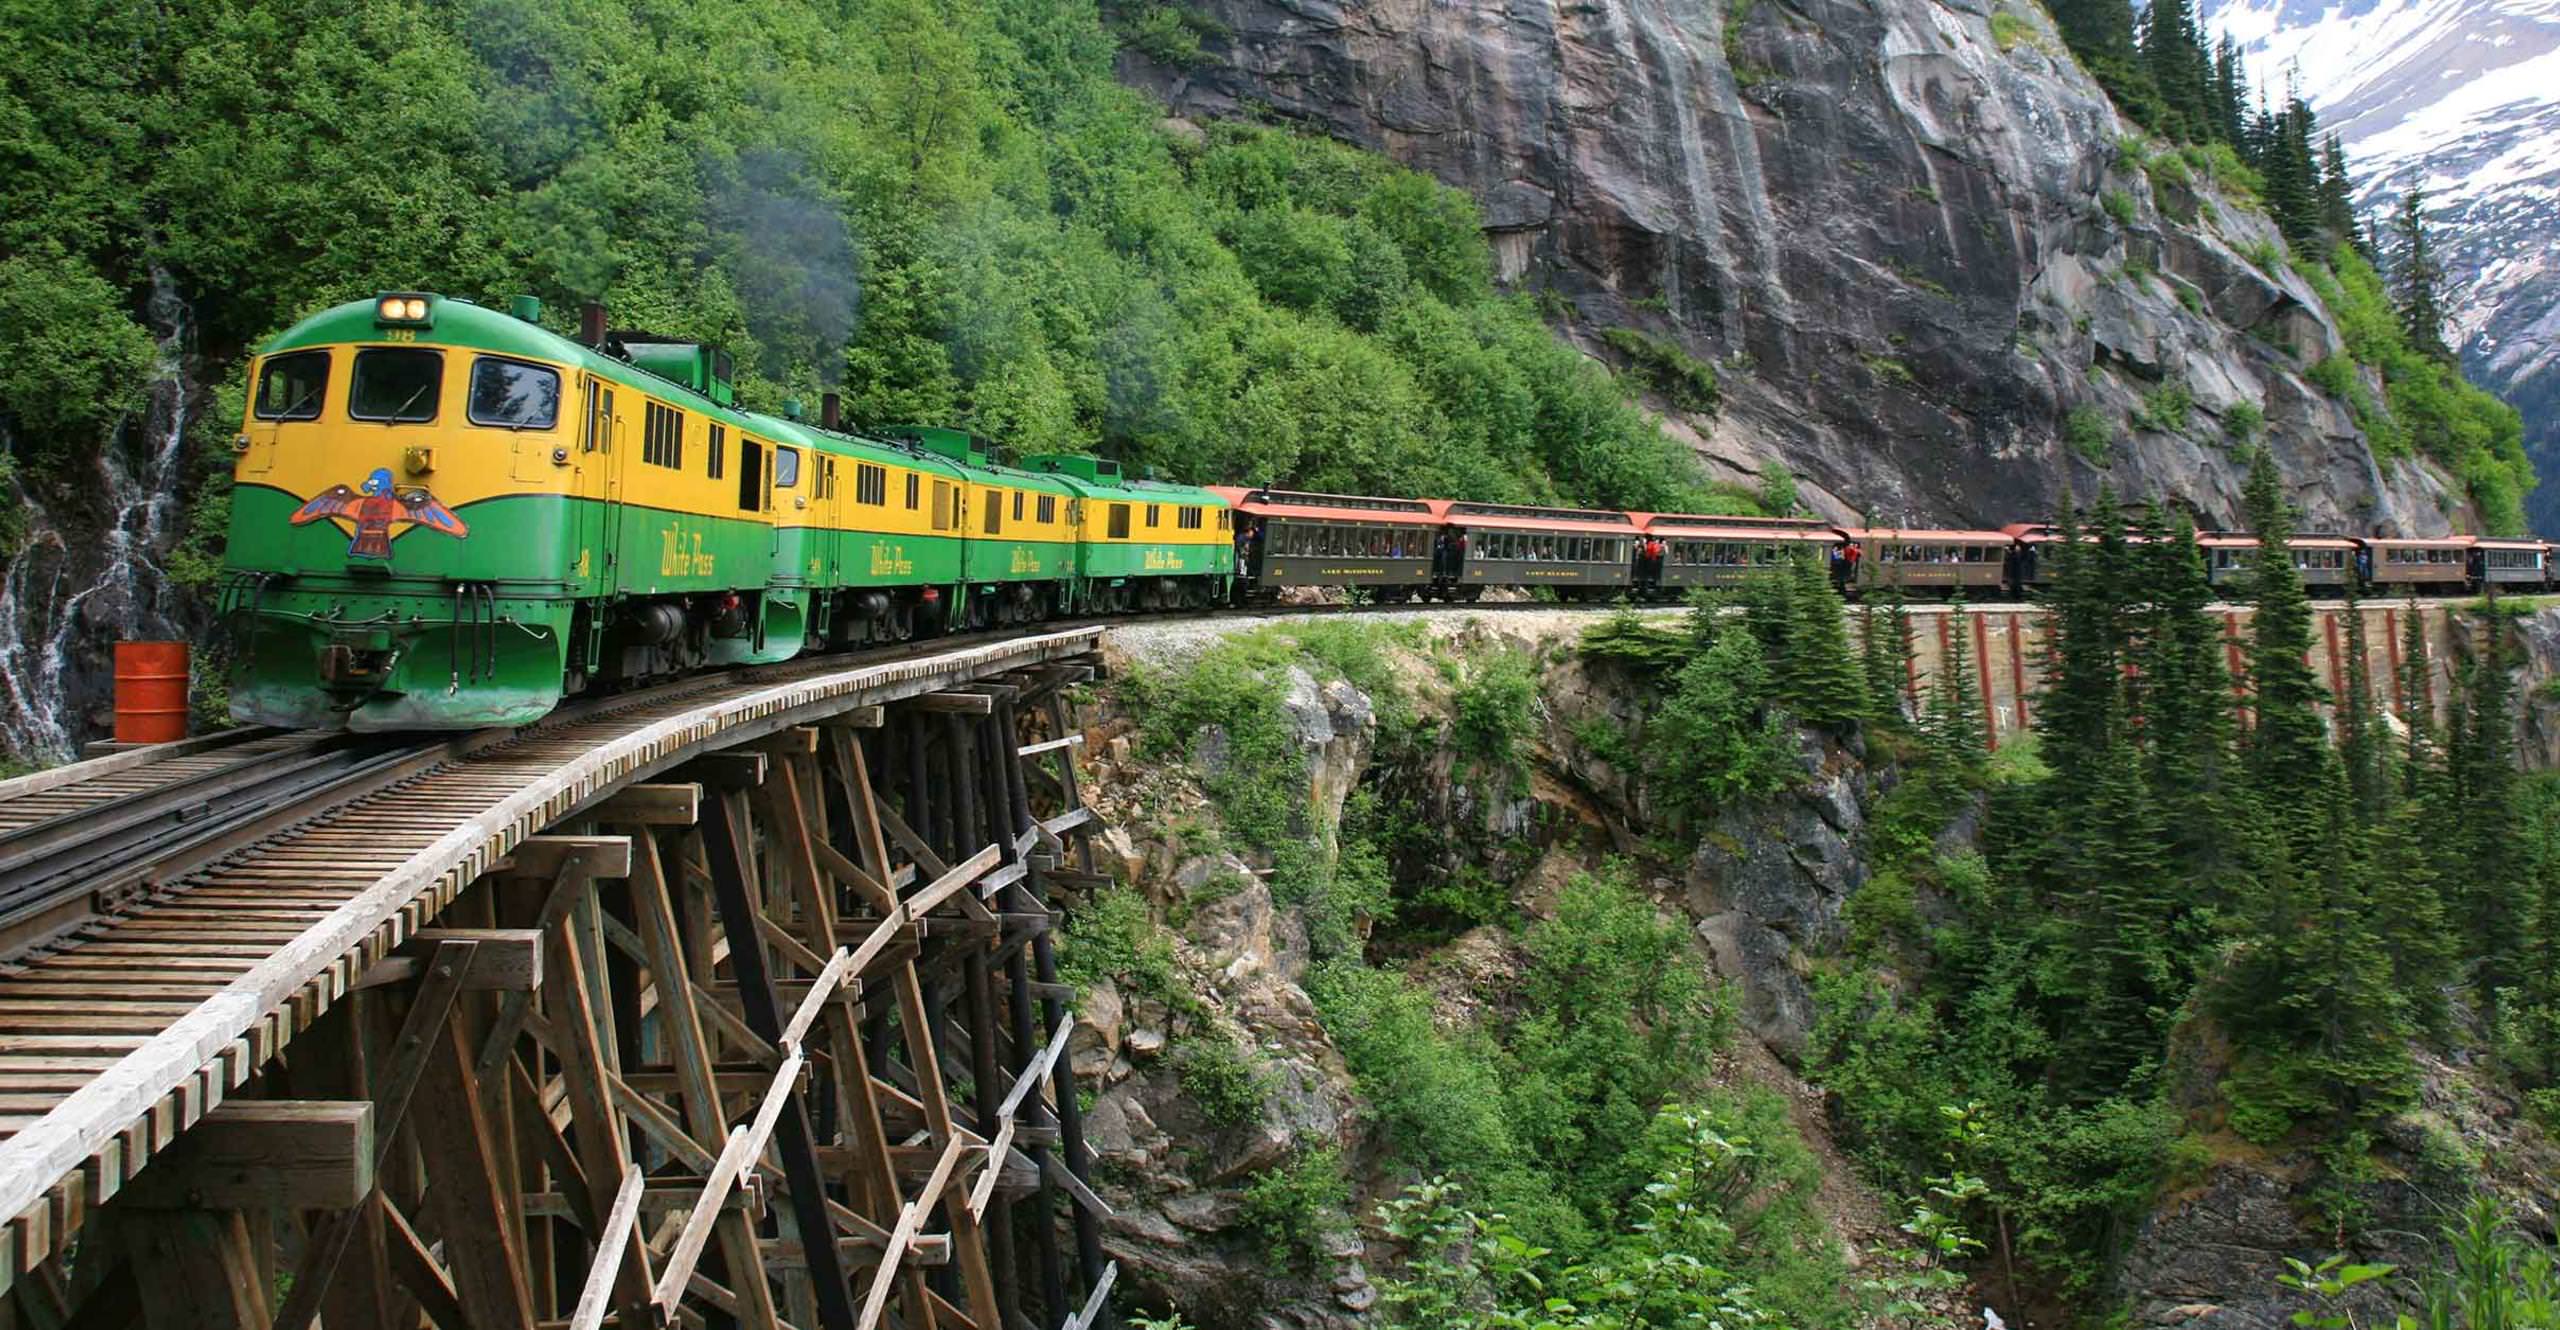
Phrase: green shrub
(2085, 431)
(1495, 709)
(2168, 407)
(1680, 378)
(1220, 1079)
(1297, 1207)
(2119, 206)
(2009, 29)
(1113, 938)
(2242, 421)
(1891, 370)
(1165, 33)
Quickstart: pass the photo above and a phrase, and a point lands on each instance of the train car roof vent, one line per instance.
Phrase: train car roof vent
(527, 308)
(940, 441)
(1068, 464)
(703, 368)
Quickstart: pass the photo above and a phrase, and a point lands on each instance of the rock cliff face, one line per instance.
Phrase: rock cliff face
(1904, 232)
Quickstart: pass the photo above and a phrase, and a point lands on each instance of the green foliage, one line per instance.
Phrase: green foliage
(2119, 206)
(2009, 29)
(2168, 407)
(1168, 34)
(1220, 1079)
(1721, 1234)
(2485, 1274)
(1536, 1111)
(1224, 710)
(1777, 489)
(2087, 432)
(2431, 409)
(1681, 379)
(1113, 939)
(1714, 738)
(1298, 1206)
(2241, 423)
(1495, 708)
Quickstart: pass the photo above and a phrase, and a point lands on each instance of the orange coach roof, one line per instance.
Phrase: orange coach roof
(1344, 508)
(2245, 540)
(1898, 534)
(2422, 541)
(1734, 527)
(1507, 517)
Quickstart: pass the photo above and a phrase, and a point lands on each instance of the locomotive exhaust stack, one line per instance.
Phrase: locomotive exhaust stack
(591, 323)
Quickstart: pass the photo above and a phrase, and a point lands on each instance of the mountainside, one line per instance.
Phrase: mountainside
(1915, 238)
(2461, 97)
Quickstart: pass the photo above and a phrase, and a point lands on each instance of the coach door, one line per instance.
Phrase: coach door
(599, 488)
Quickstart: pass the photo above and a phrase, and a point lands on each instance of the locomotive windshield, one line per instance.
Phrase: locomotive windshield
(290, 387)
(396, 384)
(511, 394)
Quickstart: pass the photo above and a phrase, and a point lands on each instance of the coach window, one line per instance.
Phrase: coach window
(915, 488)
(510, 394)
(716, 450)
(1048, 509)
(396, 385)
(870, 484)
(1119, 529)
(786, 466)
(661, 435)
(994, 519)
(1017, 505)
(290, 387)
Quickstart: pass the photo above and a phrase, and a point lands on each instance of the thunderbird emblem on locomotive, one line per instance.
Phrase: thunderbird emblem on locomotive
(376, 510)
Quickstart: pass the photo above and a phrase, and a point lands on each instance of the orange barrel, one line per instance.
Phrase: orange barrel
(151, 692)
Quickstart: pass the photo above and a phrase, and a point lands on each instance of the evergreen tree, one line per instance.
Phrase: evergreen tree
(2187, 724)
(1955, 726)
(2080, 711)
(2117, 964)
(2286, 746)
(2361, 746)
(2419, 761)
(2308, 990)
(1814, 673)
(2337, 193)
(2230, 93)
(2179, 68)
(2487, 824)
(2532, 1037)
(2420, 277)
(1884, 655)
(2292, 174)
(2101, 34)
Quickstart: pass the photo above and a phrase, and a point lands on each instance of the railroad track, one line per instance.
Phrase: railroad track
(256, 878)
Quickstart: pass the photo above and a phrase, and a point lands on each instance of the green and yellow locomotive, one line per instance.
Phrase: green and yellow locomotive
(448, 517)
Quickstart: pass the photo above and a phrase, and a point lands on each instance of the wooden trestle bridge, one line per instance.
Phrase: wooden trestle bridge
(731, 1003)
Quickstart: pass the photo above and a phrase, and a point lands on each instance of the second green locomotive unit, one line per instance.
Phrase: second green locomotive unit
(446, 517)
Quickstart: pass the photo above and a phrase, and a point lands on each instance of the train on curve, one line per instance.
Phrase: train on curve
(445, 516)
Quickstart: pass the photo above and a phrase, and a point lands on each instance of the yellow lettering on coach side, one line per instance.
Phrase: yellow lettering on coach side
(1024, 561)
(890, 561)
(1162, 561)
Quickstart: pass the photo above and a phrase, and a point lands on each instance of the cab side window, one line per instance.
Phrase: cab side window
(510, 394)
(290, 386)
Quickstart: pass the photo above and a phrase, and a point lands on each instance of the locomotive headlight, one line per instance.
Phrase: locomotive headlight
(403, 308)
